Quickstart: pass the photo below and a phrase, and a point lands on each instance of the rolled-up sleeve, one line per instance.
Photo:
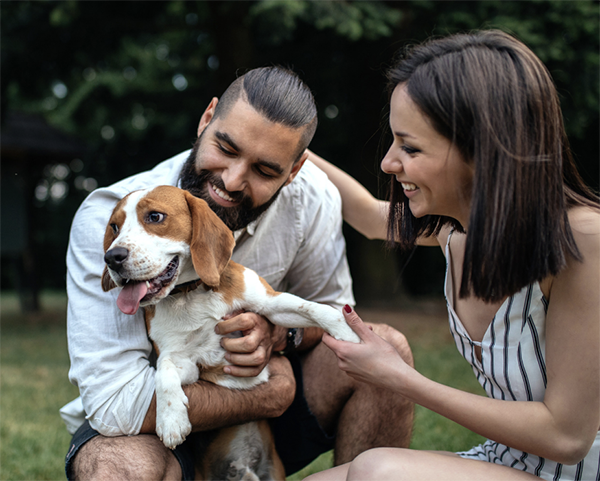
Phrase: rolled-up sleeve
(108, 350)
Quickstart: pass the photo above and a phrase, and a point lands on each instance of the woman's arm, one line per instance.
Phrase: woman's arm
(564, 425)
(360, 209)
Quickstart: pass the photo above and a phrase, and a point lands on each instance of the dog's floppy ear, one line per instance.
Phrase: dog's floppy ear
(211, 244)
(107, 282)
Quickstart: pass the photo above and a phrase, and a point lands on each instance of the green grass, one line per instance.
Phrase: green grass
(34, 385)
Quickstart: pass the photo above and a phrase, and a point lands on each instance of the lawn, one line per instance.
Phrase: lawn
(34, 385)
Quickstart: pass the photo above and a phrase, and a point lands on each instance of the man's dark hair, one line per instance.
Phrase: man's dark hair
(279, 95)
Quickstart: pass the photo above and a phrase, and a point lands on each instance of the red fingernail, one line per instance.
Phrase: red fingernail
(347, 308)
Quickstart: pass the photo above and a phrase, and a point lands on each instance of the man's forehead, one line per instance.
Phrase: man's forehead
(250, 132)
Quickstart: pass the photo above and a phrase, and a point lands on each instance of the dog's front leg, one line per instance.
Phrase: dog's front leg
(172, 421)
(291, 311)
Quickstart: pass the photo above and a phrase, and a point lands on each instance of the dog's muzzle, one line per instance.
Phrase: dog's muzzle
(114, 258)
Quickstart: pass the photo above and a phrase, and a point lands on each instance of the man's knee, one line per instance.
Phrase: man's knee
(142, 457)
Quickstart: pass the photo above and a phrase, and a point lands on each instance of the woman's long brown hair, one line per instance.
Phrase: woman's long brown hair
(493, 98)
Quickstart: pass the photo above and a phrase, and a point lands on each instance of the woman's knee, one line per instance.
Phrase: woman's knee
(378, 463)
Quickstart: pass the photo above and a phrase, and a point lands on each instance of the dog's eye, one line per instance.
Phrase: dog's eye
(155, 217)
(115, 228)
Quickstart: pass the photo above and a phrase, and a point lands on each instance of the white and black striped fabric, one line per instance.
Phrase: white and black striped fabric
(513, 368)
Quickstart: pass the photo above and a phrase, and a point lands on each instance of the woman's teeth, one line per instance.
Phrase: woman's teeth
(408, 186)
(221, 194)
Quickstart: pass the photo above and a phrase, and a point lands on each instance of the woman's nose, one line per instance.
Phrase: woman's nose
(391, 163)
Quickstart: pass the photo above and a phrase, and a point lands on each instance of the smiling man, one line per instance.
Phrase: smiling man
(249, 164)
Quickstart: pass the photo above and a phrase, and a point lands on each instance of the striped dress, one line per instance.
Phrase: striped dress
(513, 367)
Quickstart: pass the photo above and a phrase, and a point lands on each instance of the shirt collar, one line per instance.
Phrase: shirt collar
(250, 228)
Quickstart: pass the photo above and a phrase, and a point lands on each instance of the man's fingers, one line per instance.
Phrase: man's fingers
(233, 314)
(245, 345)
(255, 359)
(238, 371)
(237, 323)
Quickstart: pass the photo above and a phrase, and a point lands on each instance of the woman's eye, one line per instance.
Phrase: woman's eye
(410, 150)
(115, 228)
(155, 217)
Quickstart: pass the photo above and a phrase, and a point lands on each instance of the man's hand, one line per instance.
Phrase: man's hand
(250, 353)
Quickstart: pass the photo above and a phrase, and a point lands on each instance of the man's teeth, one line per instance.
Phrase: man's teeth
(408, 186)
(221, 194)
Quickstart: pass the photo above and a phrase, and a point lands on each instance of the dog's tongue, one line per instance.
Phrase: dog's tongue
(130, 297)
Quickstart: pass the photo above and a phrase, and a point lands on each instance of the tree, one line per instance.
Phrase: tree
(131, 80)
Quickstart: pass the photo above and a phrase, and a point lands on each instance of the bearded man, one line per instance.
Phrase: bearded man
(250, 164)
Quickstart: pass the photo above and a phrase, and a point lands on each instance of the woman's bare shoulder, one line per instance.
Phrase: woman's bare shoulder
(438, 240)
(584, 220)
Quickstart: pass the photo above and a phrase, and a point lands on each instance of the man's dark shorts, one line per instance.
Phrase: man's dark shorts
(298, 436)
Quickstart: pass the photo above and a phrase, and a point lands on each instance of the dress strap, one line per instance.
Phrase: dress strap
(449, 237)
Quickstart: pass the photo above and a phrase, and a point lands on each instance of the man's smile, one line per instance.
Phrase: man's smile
(220, 196)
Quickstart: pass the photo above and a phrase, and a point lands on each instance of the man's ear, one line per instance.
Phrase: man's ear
(296, 167)
(208, 115)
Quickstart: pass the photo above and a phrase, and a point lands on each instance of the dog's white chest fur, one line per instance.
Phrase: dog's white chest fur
(183, 329)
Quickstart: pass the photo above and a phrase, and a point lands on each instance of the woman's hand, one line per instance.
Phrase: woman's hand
(374, 360)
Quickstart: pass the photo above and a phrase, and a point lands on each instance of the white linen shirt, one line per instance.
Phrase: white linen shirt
(296, 245)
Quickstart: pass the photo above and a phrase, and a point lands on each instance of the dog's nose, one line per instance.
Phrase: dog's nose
(114, 258)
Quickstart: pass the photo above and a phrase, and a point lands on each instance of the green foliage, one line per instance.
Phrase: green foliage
(132, 79)
(278, 19)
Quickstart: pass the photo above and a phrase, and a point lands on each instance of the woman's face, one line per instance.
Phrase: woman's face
(433, 174)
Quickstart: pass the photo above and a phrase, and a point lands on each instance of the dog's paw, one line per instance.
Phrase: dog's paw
(172, 422)
(343, 332)
(334, 323)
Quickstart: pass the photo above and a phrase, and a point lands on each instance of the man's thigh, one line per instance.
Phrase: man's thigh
(327, 389)
(299, 438)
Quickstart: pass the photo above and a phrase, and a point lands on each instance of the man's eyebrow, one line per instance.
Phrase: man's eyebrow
(225, 137)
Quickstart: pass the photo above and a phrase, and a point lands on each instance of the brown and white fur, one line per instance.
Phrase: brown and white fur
(162, 238)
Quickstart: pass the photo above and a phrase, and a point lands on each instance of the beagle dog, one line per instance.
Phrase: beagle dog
(170, 253)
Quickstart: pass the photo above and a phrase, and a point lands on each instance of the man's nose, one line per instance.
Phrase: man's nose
(235, 177)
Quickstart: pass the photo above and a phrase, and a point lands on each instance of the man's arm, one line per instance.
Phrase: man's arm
(213, 406)
(108, 349)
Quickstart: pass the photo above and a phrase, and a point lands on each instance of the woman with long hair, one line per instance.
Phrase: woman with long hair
(480, 166)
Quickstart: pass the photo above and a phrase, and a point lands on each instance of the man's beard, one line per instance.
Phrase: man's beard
(196, 183)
